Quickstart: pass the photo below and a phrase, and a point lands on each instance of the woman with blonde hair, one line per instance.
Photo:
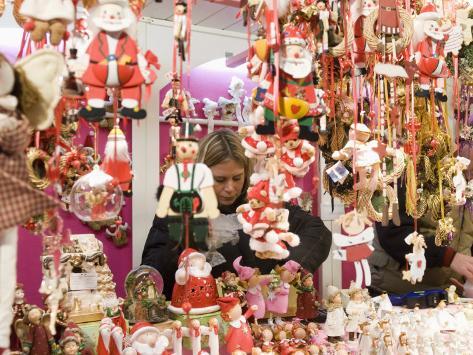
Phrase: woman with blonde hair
(223, 153)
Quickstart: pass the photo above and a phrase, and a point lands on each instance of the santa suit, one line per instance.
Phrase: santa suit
(239, 336)
(359, 45)
(113, 63)
(103, 342)
(253, 219)
(388, 17)
(289, 157)
(431, 62)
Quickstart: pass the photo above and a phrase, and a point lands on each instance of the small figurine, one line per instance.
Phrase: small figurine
(297, 154)
(77, 332)
(177, 102)
(384, 305)
(210, 109)
(146, 339)
(69, 344)
(459, 180)
(180, 27)
(335, 323)
(445, 320)
(231, 286)
(103, 342)
(356, 310)
(416, 259)
(307, 303)
(19, 310)
(195, 290)
(34, 335)
(452, 295)
(364, 343)
(324, 16)
(238, 338)
(278, 297)
(388, 345)
(254, 280)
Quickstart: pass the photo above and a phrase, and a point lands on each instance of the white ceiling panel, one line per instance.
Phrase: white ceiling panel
(222, 19)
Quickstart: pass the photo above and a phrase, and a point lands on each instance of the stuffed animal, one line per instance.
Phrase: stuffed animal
(297, 154)
(47, 16)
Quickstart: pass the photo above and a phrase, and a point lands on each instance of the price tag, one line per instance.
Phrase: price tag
(83, 281)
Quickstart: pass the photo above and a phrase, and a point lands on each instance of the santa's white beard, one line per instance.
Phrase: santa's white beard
(145, 349)
(192, 271)
(298, 68)
(112, 25)
(117, 150)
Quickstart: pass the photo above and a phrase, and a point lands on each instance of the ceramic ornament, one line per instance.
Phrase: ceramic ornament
(459, 181)
(114, 62)
(103, 342)
(228, 108)
(335, 323)
(416, 259)
(355, 245)
(237, 92)
(307, 302)
(33, 332)
(146, 339)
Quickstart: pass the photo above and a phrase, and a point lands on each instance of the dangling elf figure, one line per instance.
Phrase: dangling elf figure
(113, 62)
(297, 94)
(188, 197)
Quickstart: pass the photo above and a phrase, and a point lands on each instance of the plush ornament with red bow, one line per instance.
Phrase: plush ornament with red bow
(117, 161)
(298, 98)
(195, 290)
(47, 16)
(297, 154)
(114, 62)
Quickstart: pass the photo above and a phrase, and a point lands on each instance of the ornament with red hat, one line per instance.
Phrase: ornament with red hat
(74, 328)
(297, 94)
(195, 290)
(238, 338)
(297, 154)
(146, 339)
(69, 343)
(254, 280)
(278, 298)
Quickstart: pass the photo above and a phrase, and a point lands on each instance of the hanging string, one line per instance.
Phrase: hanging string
(174, 46)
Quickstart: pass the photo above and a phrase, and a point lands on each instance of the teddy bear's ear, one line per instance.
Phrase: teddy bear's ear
(42, 71)
(7, 76)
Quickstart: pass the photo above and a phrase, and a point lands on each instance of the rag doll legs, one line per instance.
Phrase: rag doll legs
(8, 248)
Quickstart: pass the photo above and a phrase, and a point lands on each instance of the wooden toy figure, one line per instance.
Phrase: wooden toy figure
(336, 317)
(278, 298)
(298, 97)
(307, 303)
(188, 197)
(254, 280)
(113, 63)
(180, 27)
(238, 339)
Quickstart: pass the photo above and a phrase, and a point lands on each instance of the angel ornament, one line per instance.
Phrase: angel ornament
(354, 245)
(459, 180)
(367, 156)
(416, 259)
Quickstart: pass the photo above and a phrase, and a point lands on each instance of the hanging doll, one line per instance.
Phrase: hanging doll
(298, 98)
(238, 338)
(180, 27)
(188, 197)
(416, 259)
(254, 294)
(195, 290)
(297, 154)
(278, 298)
(357, 311)
(324, 17)
(177, 102)
(335, 323)
(28, 95)
(47, 16)
(459, 180)
(307, 303)
(113, 62)
(354, 245)
(367, 159)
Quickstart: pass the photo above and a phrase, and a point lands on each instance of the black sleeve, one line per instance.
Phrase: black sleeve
(315, 238)
(161, 253)
(392, 238)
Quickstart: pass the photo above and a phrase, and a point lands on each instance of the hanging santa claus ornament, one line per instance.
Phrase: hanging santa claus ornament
(114, 62)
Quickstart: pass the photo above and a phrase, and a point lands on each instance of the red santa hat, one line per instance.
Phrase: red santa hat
(292, 35)
(429, 12)
(289, 132)
(67, 337)
(140, 328)
(292, 266)
(227, 303)
(260, 191)
(244, 272)
(73, 327)
(188, 254)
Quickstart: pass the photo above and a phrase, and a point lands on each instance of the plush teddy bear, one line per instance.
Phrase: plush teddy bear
(297, 154)
(45, 16)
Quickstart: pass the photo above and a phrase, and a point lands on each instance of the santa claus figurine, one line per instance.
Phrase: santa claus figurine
(195, 290)
(238, 338)
(113, 62)
(145, 339)
(298, 98)
(117, 158)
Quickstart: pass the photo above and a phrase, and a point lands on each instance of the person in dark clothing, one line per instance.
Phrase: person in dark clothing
(231, 169)
(443, 263)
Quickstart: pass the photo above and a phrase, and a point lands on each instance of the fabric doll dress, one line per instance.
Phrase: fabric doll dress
(278, 302)
(255, 297)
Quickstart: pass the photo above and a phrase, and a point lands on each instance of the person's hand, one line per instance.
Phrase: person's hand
(463, 264)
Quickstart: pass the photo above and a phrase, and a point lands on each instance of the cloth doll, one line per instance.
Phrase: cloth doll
(47, 16)
(146, 339)
(238, 338)
(307, 303)
(195, 290)
(367, 158)
(113, 62)
(278, 298)
(256, 146)
(416, 259)
(28, 95)
(296, 89)
(335, 323)
(324, 17)
(297, 154)
(254, 295)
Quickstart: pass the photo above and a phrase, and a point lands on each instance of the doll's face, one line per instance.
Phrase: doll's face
(235, 313)
(19, 294)
(149, 337)
(187, 150)
(180, 9)
(337, 299)
(287, 276)
(253, 281)
(176, 84)
(300, 333)
(70, 348)
(267, 335)
(308, 282)
(296, 61)
(432, 29)
(254, 203)
(198, 263)
(292, 143)
(34, 316)
(357, 296)
(112, 18)
(321, 5)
